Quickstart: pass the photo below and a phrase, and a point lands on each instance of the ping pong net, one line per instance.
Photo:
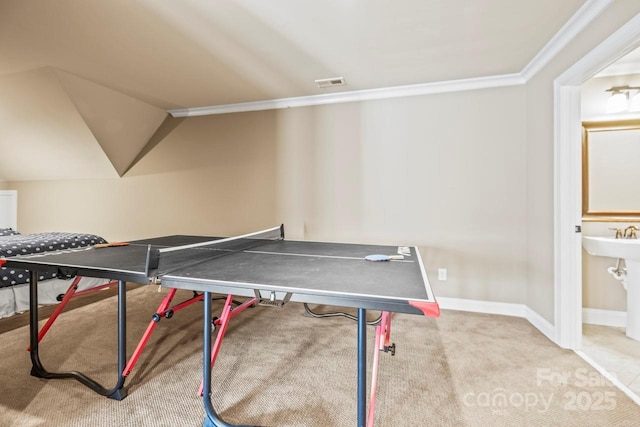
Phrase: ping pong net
(165, 260)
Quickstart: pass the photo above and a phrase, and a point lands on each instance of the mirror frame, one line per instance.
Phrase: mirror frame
(603, 126)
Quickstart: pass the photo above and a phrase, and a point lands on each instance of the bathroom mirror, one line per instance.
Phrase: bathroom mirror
(611, 171)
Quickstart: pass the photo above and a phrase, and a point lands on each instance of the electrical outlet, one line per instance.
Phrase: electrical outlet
(442, 274)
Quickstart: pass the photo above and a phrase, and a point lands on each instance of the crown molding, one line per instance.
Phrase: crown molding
(578, 22)
(354, 96)
(614, 47)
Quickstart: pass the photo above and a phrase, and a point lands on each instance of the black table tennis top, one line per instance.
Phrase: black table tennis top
(313, 272)
(116, 263)
(316, 272)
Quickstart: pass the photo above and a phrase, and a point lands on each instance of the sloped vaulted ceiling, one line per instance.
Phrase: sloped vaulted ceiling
(54, 125)
(87, 82)
(120, 124)
(42, 135)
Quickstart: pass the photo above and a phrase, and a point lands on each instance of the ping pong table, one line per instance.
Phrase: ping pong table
(262, 266)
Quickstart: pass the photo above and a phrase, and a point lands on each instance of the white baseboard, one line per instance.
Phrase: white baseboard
(476, 306)
(500, 308)
(594, 316)
(541, 324)
(591, 316)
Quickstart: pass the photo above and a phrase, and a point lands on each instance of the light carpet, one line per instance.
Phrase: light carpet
(278, 367)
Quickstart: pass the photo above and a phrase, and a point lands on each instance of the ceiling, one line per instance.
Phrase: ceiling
(86, 86)
(190, 53)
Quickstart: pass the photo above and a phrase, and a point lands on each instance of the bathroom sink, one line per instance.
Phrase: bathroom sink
(629, 275)
(628, 249)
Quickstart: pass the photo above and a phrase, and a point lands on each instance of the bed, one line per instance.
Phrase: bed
(14, 283)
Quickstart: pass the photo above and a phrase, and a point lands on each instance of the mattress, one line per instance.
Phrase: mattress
(14, 283)
(15, 299)
(13, 243)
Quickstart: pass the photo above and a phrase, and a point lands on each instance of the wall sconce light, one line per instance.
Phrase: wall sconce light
(621, 99)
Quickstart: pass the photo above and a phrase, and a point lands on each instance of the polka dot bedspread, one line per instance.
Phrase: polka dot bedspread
(13, 243)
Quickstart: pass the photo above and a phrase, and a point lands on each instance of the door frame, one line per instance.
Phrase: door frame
(9, 201)
(567, 179)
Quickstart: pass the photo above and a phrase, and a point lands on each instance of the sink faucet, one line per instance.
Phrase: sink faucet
(618, 232)
(630, 232)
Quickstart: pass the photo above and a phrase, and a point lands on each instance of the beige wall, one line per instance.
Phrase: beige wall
(69, 128)
(210, 175)
(467, 176)
(445, 172)
(540, 154)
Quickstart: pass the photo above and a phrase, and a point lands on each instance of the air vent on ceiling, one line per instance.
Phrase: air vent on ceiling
(334, 81)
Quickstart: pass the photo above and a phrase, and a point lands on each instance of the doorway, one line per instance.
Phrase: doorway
(9, 209)
(568, 170)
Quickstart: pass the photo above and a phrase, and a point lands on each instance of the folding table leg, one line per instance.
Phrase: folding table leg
(211, 418)
(388, 346)
(374, 375)
(362, 367)
(147, 333)
(117, 392)
(382, 343)
(228, 313)
(71, 292)
(164, 310)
